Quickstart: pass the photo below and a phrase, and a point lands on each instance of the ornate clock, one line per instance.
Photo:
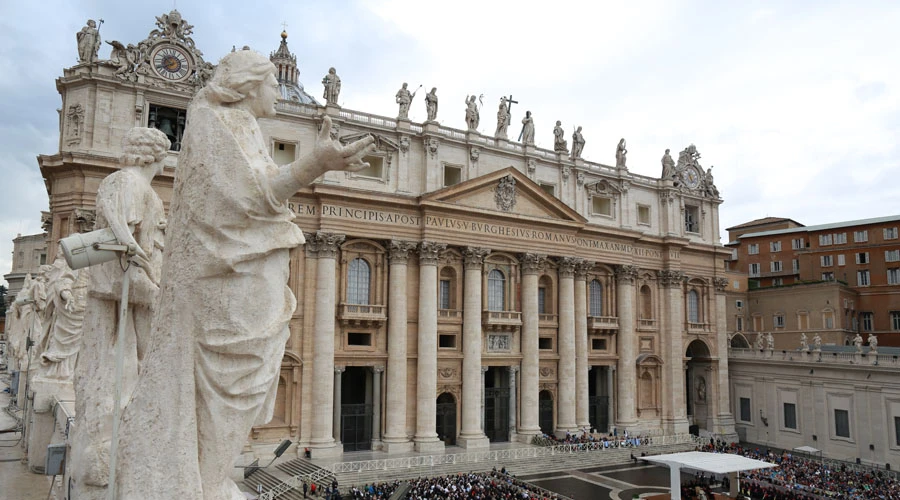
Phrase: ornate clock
(691, 177)
(171, 62)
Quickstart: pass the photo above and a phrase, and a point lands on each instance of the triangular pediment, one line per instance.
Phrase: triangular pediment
(506, 191)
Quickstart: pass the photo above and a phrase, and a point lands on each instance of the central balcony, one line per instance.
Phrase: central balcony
(452, 316)
(600, 323)
(363, 315)
(501, 320)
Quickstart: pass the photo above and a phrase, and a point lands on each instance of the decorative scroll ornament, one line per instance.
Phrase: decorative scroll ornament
(432, 144)
(505, 193)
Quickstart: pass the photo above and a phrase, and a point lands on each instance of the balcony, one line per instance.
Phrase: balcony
(450, 316)
(501, 320)
(548, 320)
(362, 315)
(697, 327)
(603, 323)
(646, 324)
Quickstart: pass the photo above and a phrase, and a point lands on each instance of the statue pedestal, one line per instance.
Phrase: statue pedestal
(41, 417)
(472, 135)
(579, 162)
(530, 149)
(403, 124)
(333, 110)
(431, 127)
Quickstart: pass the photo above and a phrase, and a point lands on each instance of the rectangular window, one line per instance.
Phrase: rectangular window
(542, 300)
(549, 189)
(826, 260)
(895, 321)
(803, 321)
(601, 206)
(598, 344)
(775, 246)
(452, 175)
(545, 343)
(739, 324)
(842, 423)
(754, 270)
(840, 238)
(745, 410)
(828, 276)
(890, 233)
(893, 276)
(445, 294)
(169, 121)
(860, 236)
(891, 255)
(779, 321)
(867, 320)
(824, 240)
(284, 153)
(375, 169)
(790, 416)
(753, 249)
(643, 214)
(862, 278)
(43, 259)
(841, 260)
(797, 243)
(361, 339)
(862, 257)
(777, 281)
(739, 303)
(446, 341)
(829, 321)
(775, 266)
(691, 219)
(795, 266)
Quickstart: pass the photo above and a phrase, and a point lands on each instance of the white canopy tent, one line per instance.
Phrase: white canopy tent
(813, 453)
(716, 463)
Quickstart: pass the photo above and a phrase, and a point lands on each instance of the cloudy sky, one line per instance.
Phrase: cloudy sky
(796, 104)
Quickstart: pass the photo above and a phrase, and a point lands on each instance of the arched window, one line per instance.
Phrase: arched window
(545, 295)
(447, 291)
(596, 291)
(693, 306)
(646, 303)
(496, 290)
(358, 280)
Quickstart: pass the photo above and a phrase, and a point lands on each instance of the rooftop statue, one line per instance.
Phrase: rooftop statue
(332, 83)
(577, 143)
(88, 42)
(620, 154)
(559, 141)
(67, 290)
(431, 104)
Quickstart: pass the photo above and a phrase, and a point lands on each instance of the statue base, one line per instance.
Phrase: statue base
(403, 124)
(474, 443)
(41, 415)
(429, 445)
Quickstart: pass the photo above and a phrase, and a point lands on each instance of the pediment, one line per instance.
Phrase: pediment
(506, 191)
(382, 143)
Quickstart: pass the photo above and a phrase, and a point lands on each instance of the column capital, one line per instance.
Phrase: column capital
(626, 273)
(323, 244)
(339, 369)
(429, 252)
(566, 266)
(532, 263)
(670, 278)
(582, 267)
(398, 251)
(378, 369)
(484, 369)
(473, 257)
(721, 284)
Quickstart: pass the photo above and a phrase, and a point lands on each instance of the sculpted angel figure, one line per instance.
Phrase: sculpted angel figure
(218, 338)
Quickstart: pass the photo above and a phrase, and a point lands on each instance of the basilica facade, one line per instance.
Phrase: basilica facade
(464, 289)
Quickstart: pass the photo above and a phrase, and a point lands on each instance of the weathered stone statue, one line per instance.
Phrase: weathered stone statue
(431, 104)
(527, 134)
(128, 205)
(218, 339)
(873, 343)
(577, 143)
(817, 342)
(620, 154)
(502, 119)
(88, 42)
(770, 341)
(709, 186)
(472, 115)
(668, 167)
(404, 99)
(559, 142)
(760, 341)
(67, 294)
(804, 342)
(858, 342)
(332, 83)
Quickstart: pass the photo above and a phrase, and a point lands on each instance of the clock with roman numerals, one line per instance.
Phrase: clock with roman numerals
(171, 63)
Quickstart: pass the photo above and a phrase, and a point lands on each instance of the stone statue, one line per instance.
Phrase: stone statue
(67, 294)
(125, 58)
(502, 119)
(701, 389)
(620, 154)
(527, 134)
(128, 205)
(472, 115)
(404, 99)
(668, 167)
(36, 320)
(332, 83)
(88, 42)
(858, 342)
(217, 341)
(804, 342)
(709, 185)
(770, 342)
(577, 143)
(431, 104)
(759, 341)
(559, 143)
(817, 342)
(873, 343)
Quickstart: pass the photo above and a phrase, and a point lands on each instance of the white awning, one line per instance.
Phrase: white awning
(716, 463)
(806, 449)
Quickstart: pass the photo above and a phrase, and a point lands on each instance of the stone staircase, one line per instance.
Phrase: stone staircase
(272, 477)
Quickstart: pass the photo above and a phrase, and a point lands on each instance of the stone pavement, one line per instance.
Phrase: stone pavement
(16, 482)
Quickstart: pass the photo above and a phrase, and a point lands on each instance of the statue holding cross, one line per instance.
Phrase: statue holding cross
(503, 116)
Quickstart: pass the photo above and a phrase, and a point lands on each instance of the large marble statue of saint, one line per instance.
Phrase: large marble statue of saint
(128, 205)
(218, 337)
(66, 294)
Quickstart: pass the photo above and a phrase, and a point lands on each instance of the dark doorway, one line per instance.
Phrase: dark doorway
(545, 412)
(496, 404)
(446, 419)
(598, 403)
(356, 409)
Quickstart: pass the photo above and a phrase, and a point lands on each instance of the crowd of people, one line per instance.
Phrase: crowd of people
(493, 485)
(800, 478)
(593, 441)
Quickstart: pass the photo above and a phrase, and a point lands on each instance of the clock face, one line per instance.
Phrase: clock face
(171, 63)
(691, 177)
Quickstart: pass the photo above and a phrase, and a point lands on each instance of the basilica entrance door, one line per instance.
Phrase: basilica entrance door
(598, 407)
(545, 412)
(446, 419)
(496, 404)
(356, 410)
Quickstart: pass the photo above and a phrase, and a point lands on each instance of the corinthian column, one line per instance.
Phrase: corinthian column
(396, 439)
(532, 264)
(674, 410)
(627, 380)
(326, 248)
(723, 422)
(566, 399)
(472, 434)
(582, 415)
(426, 398)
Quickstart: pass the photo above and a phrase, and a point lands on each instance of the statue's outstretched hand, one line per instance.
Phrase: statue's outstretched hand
(328, 154)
